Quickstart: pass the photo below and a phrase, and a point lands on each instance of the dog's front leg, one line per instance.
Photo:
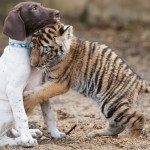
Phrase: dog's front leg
(14, 93)
(16, 82)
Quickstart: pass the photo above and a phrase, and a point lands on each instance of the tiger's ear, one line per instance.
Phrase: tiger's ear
(67, 32)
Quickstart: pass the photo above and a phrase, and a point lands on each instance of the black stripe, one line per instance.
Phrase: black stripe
(90, 50)
(111, 94)
(120, 90)
(61, 49)
(77, 51)
(129, 117)
(82, 62)
(97, 75)
(91, 89)
(92, 76)
(87, 62)
(45, 40)
(52, 78)
(90, 55)
(139, 119)
(101, 64)
(108, 63)
(100, 81)
(65, 78)
(106, 101)
(66, 68)
(81, 52)
(125, 85)
(121, 115)
(71, 62)
(49, 36)
(69, 82)
(94, 66)
(52, 30)
(41, 42)
(93, 47)
(35, 36)
(101, 74)
(110, 80)
(115, 108)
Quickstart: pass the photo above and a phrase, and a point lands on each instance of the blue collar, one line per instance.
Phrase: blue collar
(20, 45)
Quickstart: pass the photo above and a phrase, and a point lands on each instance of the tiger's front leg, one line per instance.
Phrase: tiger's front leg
(43, 93)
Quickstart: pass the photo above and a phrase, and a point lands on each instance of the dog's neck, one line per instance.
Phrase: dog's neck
(21, 44)
(26, 41)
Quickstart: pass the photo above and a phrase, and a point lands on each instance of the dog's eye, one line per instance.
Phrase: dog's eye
(34, 7)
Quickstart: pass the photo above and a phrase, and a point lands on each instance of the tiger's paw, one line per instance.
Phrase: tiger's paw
(29, 101)
(102, 132)
(92, 134)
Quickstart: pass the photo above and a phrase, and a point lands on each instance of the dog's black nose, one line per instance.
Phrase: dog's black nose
(56, 13)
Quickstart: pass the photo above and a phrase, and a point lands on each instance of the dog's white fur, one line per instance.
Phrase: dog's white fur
(16, 76)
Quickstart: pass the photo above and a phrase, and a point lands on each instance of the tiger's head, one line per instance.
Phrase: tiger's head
(50, 44)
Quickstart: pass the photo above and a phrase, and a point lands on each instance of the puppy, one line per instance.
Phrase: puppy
(16, 75)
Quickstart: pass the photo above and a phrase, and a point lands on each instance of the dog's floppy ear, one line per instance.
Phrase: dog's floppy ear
(14, 26)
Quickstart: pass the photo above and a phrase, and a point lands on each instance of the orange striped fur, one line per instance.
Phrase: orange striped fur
(93, 70)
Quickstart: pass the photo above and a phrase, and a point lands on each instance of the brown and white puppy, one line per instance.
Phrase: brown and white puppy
(16, 74)
(26, 17)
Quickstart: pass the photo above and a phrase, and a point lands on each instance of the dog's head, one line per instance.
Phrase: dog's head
(26, 17)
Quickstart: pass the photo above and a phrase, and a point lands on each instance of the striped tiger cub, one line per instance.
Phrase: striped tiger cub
(93, 70)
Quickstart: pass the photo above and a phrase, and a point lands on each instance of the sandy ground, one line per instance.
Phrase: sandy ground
(72, 108)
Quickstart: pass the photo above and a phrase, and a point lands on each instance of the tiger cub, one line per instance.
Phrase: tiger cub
(93, 70)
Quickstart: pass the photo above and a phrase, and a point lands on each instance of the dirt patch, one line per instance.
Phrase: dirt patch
(72, 108)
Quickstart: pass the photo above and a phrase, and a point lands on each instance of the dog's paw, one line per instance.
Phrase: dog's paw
(35, 133)
(57, 135)
(28, 141)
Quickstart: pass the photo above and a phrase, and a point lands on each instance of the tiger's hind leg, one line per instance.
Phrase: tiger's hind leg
(111, 130)
(131, 119)
(136, 125)
(120, 116)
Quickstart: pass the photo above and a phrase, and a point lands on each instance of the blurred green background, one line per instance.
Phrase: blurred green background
(94, 12)
(99, 15)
